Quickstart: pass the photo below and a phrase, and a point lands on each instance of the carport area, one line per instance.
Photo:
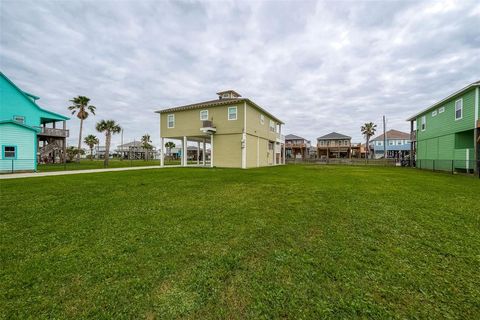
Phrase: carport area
(194, 150)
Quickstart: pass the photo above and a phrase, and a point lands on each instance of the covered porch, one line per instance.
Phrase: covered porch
(52, 140)
(194, 150)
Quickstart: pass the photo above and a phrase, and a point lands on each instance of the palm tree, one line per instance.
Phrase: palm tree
(146, 144)
(169, 145)
(109, 127)
(368, 130)
(91, 141)
(81, 107)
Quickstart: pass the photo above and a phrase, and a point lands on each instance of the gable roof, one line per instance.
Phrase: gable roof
(393, 135)
(333, 136)
(19, 124)
(216, 103)
(457, 93)
(30, 96)
(293, 137)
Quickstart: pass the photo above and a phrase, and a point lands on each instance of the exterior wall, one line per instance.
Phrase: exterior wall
(227, 151)
(188, 123)
(258, 154)
(256, 128)
(445, 138)
(227, 141)
(15, 103)
(24, 140)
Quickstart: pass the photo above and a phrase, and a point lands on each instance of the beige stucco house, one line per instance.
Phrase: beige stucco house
(239, 133)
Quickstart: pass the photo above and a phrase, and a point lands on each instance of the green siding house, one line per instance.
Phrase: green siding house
(445, 136)
(28, 133)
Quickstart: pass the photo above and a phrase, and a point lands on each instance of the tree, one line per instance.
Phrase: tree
(109, 127)
(146, 144)
(91, 141)
(169, 145)
(368, 130)
(72, 152)
(81, 107)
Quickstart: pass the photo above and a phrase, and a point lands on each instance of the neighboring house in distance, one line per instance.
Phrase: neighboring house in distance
(134, 151)
(241, 134)
(28, 133)
(99, 152)
(445, 135)
(397, 143)
(335, 145)
(296, 147)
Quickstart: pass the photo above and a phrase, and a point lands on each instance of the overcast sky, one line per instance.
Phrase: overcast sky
(318, 66)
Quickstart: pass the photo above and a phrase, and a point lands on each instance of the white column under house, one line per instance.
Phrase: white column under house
(184, 151)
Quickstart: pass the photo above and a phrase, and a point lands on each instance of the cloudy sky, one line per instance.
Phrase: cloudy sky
(319, 66)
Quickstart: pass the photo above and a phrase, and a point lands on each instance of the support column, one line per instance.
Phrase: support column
(162, 153)
(184, 151)
(204, 151)
(198, 152)
(411, 144)
(211, 151)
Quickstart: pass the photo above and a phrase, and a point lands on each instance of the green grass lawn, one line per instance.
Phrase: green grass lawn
(98, 164)
(281, 242)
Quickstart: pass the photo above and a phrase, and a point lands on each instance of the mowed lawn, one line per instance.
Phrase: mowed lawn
(281, 242)
(85, 164)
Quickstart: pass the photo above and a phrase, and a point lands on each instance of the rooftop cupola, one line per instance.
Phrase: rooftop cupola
(229, 94)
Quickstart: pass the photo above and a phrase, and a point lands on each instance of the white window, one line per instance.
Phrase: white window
(19, 119)
(272, 126)
(171, 121)
(459, 109)
(204, 115)
(262, 119)
(9, 152)
(424, 123)
(321, 142)
(225, 95)
(345, 142)
(434, 113)
(441, 110)
(232, 113)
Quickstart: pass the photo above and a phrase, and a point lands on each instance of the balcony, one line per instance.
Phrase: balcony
(413, 136)
(52, 132)
(295, 145)
(208, 127)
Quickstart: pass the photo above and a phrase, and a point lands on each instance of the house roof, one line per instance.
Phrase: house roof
(293, 137)
(28, 96)
(230, 91)
(216, 103)
(393, 135)
(18, 124)
(334, 136)
(453, 95)
(130, 144)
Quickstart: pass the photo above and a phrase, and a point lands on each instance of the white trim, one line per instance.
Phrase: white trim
(244, 137)
(467, 159)
(477, 106)
(236, 113)
(201, 115)
(422, 120)
(434, 113)
(441, 110)
(461, 109)
(168, 121)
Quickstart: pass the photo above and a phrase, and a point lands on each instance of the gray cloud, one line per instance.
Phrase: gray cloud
(319, 66)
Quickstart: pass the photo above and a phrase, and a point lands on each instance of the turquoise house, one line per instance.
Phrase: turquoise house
(29, 134)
